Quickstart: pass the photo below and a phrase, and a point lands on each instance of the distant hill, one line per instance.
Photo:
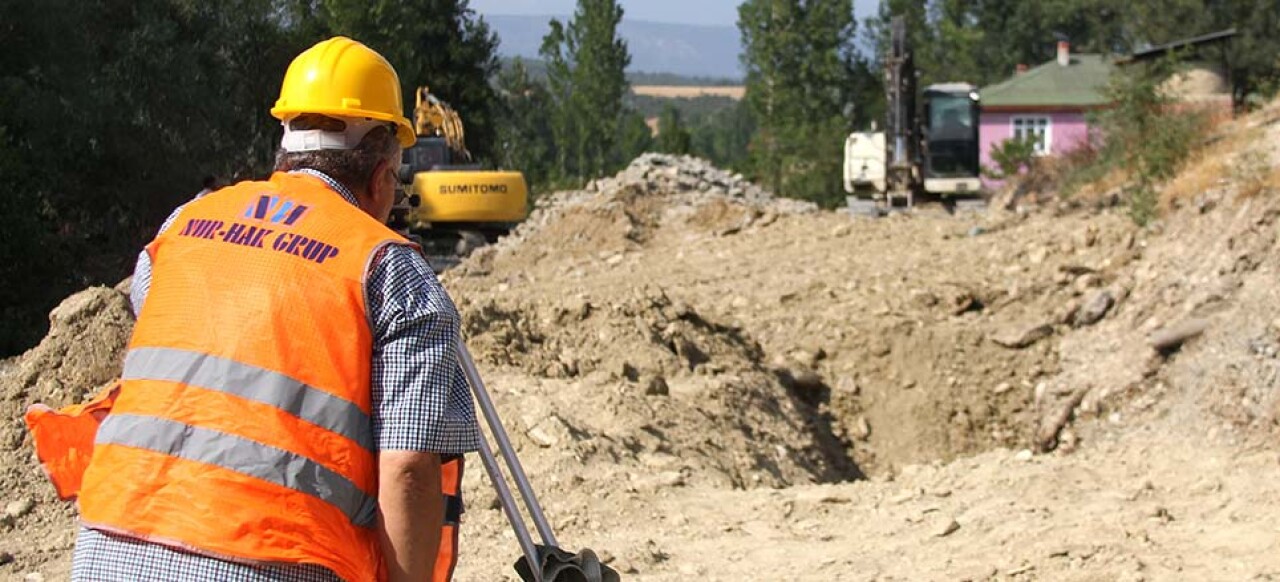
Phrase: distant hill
(538, 71)
(687, 50)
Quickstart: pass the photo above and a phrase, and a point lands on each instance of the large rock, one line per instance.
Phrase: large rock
(1094, 308)
(1017, 339)
(1172, 337)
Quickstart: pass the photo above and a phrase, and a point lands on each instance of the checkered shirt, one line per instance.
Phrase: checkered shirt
(421, 402)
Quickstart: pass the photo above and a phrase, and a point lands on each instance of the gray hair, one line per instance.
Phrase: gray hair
(352, 168)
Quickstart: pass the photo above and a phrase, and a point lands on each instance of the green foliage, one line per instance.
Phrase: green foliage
(1251, 58)
(535, 69)
(566, 118)
(585, 62)
(1012, 157)
(673, 137)
(983, 42)
(30, 260)
(1142, 203)
(1080, 167)
(720, 128)
(692, 109)
(634, 138)
(112, 111)
(724, 137)
(803, 81)
(1145, 133)
(524, 130)
(1138, 115)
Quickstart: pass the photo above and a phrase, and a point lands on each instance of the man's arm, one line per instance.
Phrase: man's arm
(421, 405)
(410, 498)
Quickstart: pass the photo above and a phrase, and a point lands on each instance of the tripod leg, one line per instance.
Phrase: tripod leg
(504, 445)
(509, 507)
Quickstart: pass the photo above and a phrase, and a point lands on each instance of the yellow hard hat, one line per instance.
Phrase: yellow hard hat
(343, 78)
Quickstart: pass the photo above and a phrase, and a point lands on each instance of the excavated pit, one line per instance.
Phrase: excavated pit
(678, 275)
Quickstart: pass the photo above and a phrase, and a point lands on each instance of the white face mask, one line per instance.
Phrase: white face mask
(310, 140)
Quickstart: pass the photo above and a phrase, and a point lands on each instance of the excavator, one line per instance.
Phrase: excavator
(455, 205)
(934, 151)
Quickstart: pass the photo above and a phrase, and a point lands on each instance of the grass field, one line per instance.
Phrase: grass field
(671, 91)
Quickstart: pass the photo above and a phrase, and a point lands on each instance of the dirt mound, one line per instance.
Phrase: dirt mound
(84, 348)
(88, 333)
(1205, 277)
(621, 214)
(896, 347)
(643, 375)
(668, 373)
(922, 338)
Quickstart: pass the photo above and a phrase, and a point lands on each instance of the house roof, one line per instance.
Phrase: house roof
(1193, 42)
(1078, 85)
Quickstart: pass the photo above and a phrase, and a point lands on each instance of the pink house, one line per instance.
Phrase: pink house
(1048, 104)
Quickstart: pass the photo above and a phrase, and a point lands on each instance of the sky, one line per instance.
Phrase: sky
(704, 12)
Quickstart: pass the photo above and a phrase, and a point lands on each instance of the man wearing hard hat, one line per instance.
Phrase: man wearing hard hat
(292, 384)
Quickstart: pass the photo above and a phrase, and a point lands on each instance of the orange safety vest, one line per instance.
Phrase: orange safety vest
(242, 426)
(64, 445)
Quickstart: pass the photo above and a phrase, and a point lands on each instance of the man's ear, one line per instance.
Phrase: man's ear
(375, 179)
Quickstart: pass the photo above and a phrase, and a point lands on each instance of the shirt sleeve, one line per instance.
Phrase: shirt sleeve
(142, 269)
(421, 400)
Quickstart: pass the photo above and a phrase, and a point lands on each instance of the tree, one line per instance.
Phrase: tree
(525, 142)
(1145, 134)
(564, 121)
(982, 41)
(1012, 157)
(724, 136)
(634, 138)
(103, 132)
(673, 137)
(586, 63)
(1251, 59)
(442, 44)
(802, 81)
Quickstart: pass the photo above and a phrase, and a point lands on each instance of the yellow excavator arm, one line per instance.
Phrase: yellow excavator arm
(434, 118)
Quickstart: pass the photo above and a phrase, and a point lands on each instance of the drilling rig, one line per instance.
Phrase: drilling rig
(932, 151)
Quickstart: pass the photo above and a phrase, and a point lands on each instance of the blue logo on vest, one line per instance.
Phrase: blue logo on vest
(276, 210)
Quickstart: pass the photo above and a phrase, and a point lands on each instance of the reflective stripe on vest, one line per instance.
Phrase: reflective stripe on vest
(252, 383)
(241, 455)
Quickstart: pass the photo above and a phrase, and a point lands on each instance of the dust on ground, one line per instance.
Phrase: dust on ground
(705, 381)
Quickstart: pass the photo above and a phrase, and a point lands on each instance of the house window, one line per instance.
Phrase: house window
(1039, 129)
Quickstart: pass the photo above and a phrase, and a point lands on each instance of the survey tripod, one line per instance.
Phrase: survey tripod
(544, 562)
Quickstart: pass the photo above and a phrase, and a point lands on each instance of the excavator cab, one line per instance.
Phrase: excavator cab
(951, 139)
(429, 153)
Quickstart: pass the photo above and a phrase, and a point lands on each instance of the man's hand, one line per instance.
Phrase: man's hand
(412, 507)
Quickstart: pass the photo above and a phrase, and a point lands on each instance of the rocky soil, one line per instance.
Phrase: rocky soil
(708, 382)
